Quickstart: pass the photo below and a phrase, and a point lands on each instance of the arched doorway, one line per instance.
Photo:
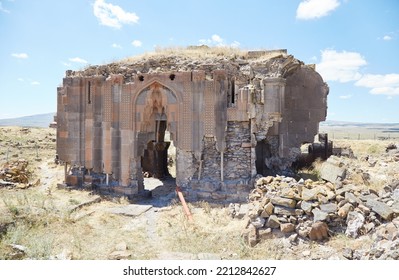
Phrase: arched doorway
(156, 111)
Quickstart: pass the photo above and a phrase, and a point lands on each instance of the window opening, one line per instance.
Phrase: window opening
(89, 92)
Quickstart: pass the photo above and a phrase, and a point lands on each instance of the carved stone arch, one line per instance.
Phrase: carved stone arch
(153, 103)
(156, 110)
(151, 81)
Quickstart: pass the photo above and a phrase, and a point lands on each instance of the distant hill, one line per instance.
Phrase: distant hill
(358, 124)
(42, 120)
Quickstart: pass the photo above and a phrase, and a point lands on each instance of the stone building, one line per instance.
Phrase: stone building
(230, 117)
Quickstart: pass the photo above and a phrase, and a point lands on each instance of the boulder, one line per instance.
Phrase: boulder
(281, 210)
(332, 172)
(287, 227)
(319, 231)
(306, 206)
(258, 222)
(312, 194)
(286, 202)
(319, 215)
(354, 222)
(351, 198)
(273, 222)
(328, 207)
(380, 208)
(269, 208)
(344, 210)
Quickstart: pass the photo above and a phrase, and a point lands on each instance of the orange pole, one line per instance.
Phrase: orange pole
(183, 202)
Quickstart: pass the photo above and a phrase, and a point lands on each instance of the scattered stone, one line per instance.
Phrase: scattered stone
(258, 222)
(332, 172)
(273, 222)
(121, 246)
(241, 211)
(328, 207)
(120, 255)
(351, 198)
(287, 227)
(319, 231)
(281, 210)
(286, 202)
(347, 253)
(344, 210)
(380, 208)
(310, 194)
(264, 233)
(306, 206)
(355, 221)
(208, 256)
(319, 215)
(306, 253)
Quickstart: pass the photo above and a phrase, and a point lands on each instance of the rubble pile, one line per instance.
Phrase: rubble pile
(317, 209)
(15, 174)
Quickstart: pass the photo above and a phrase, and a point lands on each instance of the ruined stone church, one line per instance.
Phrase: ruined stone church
(229, 116)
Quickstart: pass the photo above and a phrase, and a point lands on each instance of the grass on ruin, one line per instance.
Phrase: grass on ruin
(197, 52)
(211, 231)
(46, 227)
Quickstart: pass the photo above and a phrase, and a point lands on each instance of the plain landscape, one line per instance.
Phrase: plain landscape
(40, 220)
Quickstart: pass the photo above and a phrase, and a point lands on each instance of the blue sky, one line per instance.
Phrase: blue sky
(354, 44)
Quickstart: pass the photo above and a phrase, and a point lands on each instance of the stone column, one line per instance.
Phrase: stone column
(274, 91)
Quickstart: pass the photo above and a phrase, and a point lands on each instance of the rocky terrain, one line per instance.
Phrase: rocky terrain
(345, 208)
(354, 196)
(248, 65)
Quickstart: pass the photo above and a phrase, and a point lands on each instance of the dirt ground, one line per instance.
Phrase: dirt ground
(43, 221)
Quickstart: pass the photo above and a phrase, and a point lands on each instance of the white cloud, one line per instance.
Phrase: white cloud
(311, 9)
(78, 60)
(235, 44)
(21, 80)
(345, 96)
(20, 55)
(66, 63)
(216, 40)
(387, 38)
(116, 46)
(4, 10)
(113, 15)
(380, 84)
(137, 43)
(340, 66)
(35, 83)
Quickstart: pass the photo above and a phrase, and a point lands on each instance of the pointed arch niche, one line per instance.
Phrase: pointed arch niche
(156, 118)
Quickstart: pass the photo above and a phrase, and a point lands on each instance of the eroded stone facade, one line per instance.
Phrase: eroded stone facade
(229, 118)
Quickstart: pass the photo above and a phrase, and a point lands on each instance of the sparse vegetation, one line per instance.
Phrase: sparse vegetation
(40, 219)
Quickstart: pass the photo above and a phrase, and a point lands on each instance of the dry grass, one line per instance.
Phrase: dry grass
(46, 227)
(40, 218)
(364, 147)
(190, 52)
(212, 231)
(200, 53)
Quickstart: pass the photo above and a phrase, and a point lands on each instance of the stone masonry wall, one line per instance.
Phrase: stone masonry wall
(237, 158)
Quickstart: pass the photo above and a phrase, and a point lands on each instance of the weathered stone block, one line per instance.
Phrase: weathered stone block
(380, 208)
(319, 215)
(273, 222)
(331, 172)
(287, 227)
(319, 231)
(286, 202)
(281, 210)
(328, 207)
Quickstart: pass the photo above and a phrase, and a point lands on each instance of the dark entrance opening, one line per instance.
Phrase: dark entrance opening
(159, 155)
(262, 151)
(155, 158)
